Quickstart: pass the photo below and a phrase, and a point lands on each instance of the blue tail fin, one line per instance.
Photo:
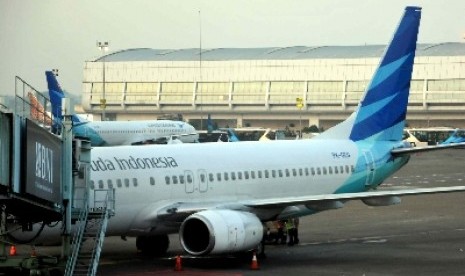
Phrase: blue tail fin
(232, 135)
(56, 95)
(53, 83)
(382, 110)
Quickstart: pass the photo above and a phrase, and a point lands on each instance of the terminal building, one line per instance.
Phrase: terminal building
(262, 86)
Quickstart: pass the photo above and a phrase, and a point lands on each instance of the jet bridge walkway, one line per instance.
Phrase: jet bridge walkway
(44, 177)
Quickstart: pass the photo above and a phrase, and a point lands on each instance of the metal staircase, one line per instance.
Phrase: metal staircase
(89, 234)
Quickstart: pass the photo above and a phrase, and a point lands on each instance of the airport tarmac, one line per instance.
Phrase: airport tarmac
(424, 235)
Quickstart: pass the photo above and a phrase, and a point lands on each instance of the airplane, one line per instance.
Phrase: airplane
(224, 134)
(218, 195)
(113, 133)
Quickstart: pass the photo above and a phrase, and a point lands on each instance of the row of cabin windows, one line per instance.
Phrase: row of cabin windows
(181, 179)
(120, 183)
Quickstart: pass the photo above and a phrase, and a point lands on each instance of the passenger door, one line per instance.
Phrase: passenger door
(203, 181)
(190, 182)
(370, 168)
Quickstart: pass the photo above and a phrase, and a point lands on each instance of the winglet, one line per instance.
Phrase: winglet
(382, 110)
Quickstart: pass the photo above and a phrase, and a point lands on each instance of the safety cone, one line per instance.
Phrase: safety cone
(12, 250)
(178, 265)
(254, 264)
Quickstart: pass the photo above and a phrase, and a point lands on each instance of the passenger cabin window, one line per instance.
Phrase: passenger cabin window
(246, 175)
(267, 174)
(318, 171)
(202, 177)
(239, 175)
(280, 173)
(287, 172)
(110, 184)
(126, 182)
(134, 182)
(175, 179)
(300, 172)
(218, 176)
(152, 181)
(273, 173)
(181, 179)
(119, 184)
(211, 177)
(252, 174)
(167, 180)
(226, 176)
(259, 174)
(100, 184)
(233, 176)
(92, 186)
(189, 178)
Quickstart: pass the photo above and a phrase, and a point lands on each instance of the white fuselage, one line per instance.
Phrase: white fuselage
(148, 178)
(111, 133)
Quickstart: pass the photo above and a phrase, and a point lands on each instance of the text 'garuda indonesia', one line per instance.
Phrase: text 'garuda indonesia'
(132, 163)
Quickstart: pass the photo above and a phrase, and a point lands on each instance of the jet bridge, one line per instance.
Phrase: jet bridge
(30, 167)
(42, 174)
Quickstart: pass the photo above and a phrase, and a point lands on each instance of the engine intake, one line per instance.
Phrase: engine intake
(220, 232)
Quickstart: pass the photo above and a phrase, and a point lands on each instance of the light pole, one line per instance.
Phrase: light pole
(103, 46)
(299, 104)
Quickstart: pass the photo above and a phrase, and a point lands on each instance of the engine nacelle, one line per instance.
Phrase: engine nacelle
(220, 232)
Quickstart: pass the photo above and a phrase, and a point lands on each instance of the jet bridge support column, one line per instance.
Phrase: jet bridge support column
(67, 191)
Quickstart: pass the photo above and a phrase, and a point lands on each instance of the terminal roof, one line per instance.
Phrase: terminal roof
(276, 53)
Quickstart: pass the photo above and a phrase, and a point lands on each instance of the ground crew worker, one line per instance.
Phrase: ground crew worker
(296, 224)
(290, 226)
(281, 235)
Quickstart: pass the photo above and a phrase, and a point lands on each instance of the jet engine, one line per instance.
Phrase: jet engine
(220, 232)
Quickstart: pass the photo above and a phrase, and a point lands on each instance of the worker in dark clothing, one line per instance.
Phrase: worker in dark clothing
(281, 235)
(296, 224)
(291, 232)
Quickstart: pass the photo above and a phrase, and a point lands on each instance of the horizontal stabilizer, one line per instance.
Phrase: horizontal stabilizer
(407, 151)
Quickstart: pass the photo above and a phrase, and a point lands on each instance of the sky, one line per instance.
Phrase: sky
(62, 34)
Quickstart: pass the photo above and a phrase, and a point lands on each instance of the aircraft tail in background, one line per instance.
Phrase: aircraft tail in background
(56, 94)
(52, 82)
(381, 113)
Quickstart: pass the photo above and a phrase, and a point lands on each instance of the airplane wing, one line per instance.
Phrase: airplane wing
(406, 151)
(178, 211)
(315, 199)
